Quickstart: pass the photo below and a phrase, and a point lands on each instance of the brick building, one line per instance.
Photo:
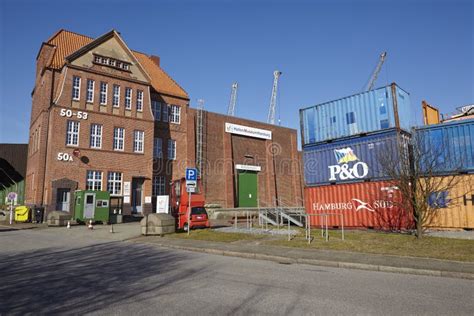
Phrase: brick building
(105, 117)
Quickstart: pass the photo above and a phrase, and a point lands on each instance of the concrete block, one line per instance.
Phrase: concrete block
(158, 224)
(58, 218)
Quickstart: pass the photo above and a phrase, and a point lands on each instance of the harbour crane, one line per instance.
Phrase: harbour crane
(233, 99)
(273, 99)
(375, 74)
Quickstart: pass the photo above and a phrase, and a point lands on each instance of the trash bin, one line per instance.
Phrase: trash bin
(39, 214)
(22, 213)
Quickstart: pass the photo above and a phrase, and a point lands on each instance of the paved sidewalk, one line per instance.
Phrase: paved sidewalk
(342, 259)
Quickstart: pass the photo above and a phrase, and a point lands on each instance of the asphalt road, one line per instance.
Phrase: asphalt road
(47, 272)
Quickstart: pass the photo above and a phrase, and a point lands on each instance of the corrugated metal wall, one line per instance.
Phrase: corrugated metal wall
(363, 205)
(457, 207)
(351, 160)
(452, 144)
(361, 113)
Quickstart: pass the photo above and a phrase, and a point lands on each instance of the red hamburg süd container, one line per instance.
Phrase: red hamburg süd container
(363, 205)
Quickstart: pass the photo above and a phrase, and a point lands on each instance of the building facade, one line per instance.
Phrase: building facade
(107, 118)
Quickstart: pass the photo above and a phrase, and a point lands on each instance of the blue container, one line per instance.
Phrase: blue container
(353, 159)
(447, 148)
(383, 108)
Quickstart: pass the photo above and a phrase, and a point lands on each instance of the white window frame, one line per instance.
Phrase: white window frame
(114, 183)
(116, 97)
(138, 141)
(171, 149)
(90, 91)
(128, 98)
(159, 185)
(175, 114)
(103, 93)
(158, 147)
(72, 133)
(156, 108)
(165, 115)
(76, 88)
(119, 138)
(139, 100)
(94, 180)
(96, 136)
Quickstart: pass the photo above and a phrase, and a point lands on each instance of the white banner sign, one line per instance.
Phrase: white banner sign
(162, 203)
(248, 167)
(248, 131)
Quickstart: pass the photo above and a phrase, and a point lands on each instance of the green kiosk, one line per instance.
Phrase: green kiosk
(91, 205)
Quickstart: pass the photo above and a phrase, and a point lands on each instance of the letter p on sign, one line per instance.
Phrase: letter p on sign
(191, 174)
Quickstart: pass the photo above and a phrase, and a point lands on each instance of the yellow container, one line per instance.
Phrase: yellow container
(21, 214)
(459, 212)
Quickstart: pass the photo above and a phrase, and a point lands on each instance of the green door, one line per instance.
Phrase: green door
(247, 189)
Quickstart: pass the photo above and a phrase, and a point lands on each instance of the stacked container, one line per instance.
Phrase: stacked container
(343, 144)
(452, 144)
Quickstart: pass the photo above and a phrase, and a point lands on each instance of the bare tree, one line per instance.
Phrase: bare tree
(423, 169)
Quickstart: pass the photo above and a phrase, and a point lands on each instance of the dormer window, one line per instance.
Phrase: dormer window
(112, 62)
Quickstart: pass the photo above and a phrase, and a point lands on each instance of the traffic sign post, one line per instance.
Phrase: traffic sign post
(11, 197)
(191, 183)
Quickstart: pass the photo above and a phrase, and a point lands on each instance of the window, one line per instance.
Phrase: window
(96, 136)
(165, 112)
(333, 120)
(128, 98)
(171, 149)
(139, 100)
(119, 136)
(90, 90)
(114, 183)
(156, 108)
(158, 185)
(350, 117)
(384, 124)
(383, 109)
(72, 135)
(158, 148)
(76, 87)
(94, 180)
(175, 113)
(103, 93)
(111, 62)
(116, 99)
(138, 141)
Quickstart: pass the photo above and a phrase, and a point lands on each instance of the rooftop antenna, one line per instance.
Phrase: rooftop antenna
(273, 99)
(233, 99)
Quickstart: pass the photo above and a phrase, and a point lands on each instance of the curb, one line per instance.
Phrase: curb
(324, 263)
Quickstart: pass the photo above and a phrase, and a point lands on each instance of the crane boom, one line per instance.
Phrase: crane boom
(273, 99)
(375, 74)
(233, 99)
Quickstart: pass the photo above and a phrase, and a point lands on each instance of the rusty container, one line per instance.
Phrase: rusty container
(376, 205)
(455, 208)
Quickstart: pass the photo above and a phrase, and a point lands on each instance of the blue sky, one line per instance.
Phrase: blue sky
(325, 49)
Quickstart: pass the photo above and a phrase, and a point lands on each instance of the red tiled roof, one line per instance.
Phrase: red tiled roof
(67, 42)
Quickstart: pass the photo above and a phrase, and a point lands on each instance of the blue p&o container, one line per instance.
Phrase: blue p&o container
(447, 147)
(353, 159)
(383, 108)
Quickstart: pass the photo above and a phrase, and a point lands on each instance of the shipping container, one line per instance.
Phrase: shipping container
(447, 147)
(456, 207)
(362, 205)
(374, 110)
(353, 159)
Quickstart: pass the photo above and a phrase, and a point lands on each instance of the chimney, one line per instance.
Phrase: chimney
(155, 59)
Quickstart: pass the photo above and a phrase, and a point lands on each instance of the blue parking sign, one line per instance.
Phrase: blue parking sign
(191, 174)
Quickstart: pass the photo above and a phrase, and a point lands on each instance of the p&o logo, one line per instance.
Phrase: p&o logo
(343, 171)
